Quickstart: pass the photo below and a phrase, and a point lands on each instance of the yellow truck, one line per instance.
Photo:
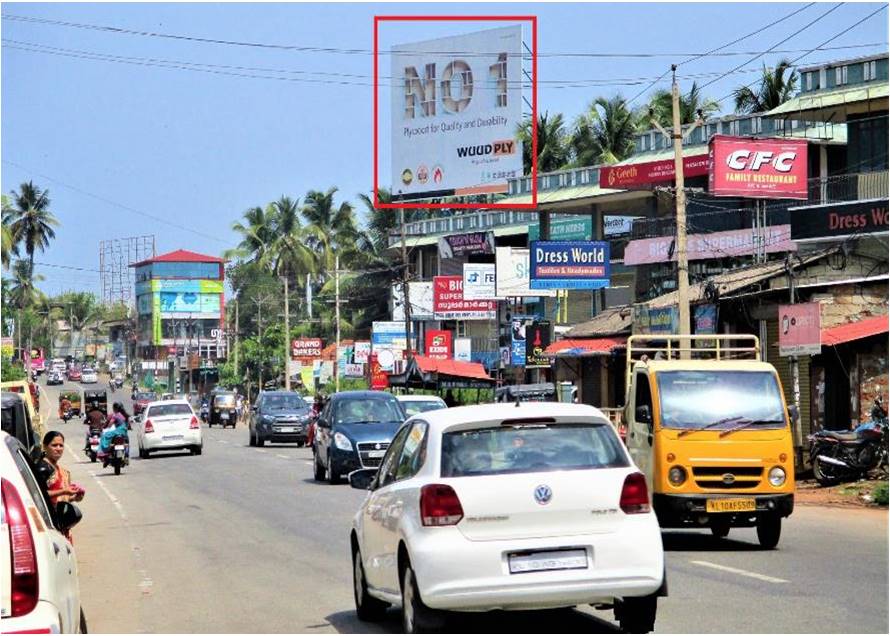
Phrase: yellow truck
(708, 426)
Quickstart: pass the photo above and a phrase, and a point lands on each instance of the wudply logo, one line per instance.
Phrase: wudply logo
(496, 148)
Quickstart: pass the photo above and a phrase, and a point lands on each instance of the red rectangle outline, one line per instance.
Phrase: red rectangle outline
(466, 206)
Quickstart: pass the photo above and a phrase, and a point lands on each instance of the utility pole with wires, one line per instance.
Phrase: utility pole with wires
(286, 337)
(337, 317)
(406, 300)
(237, 375)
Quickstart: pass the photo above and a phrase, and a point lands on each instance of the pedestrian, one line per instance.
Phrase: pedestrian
(58, 484)
(449, 399)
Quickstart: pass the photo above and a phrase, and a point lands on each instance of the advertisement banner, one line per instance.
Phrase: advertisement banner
(651, 172)
(449, 303)
(174, 285)
(576, 229)
(839, 219)
(438, 344)
(306, 349)
(757, 168)
(705, 319)
(463, 349)
(537, 339)
(800, 329)
(421, 295)
(459, 245)
(775, 238)
(307, 376)
(354, 370)
(455, 116)
(389, 334)
(188, 302)
(361, 351)
(569, 264)
(479, 281)
(379, 379)
(512, 274)
(655, 320)
(517, 342)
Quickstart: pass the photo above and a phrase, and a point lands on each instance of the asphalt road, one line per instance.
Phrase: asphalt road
(242, 539)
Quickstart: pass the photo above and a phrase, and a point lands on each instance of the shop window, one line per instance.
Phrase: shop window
(840, 75)
(870, 70)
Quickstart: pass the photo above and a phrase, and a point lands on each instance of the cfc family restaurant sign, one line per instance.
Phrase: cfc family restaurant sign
(758, 168)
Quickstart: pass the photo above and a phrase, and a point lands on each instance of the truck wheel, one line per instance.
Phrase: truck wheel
(636, 615)
(769, 529)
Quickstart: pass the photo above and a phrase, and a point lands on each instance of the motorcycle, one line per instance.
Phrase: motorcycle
(839, 456)
(91, 448)
(119, 453)
(205, 412)
(118, 383)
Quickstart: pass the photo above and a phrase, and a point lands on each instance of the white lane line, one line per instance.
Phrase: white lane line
(309, 461)
(223, 441)
(260, 450)
(753, 575)
(282, 456)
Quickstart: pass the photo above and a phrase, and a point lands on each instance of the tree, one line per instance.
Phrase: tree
(330, 227)
(289, 253)
(30, 221)
(257, 235)
(774, 90)
(553, 144)
(9, 247)
(661, 104)
(604, 133)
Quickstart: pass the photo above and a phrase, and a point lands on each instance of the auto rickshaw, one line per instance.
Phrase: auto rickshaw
(99, 396)
(73, 398)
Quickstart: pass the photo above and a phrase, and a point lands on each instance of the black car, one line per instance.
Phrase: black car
(279, 416)
(223, 409)
(353, 431)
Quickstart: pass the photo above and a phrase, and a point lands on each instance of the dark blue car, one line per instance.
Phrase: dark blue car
(353, 431)
(279, 416)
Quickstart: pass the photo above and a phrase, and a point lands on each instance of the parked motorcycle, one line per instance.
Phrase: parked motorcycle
(119, 453)
(839, 456)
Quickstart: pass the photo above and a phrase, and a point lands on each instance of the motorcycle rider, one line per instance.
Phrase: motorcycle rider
(65, 407)
(117, 425)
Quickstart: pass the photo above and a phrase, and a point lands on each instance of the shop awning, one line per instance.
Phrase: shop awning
(577, 348)
(854, 331)
(430, 373)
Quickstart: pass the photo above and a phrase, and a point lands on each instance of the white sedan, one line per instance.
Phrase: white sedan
(414, 404)
(89, 376)
(39, 590)
(512, 507)
(168, 425)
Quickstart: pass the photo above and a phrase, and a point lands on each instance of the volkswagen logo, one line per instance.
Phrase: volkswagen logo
(543, 495)
(728, 478)
(377, 446)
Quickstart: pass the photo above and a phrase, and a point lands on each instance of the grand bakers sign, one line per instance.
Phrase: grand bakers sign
(650, 172)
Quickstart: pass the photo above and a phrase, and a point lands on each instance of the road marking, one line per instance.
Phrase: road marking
(309, 461)
(283, 456)
(260, 450)
(753, 575)
(222, 441)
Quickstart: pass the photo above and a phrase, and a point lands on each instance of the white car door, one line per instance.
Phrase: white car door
(639, 432)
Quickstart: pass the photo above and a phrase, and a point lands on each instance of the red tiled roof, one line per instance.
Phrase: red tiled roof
(456, 368)
(584, 346)
(854, 331)
(180, 256)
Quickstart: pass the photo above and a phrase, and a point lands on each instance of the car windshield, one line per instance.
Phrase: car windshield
(530, 449)
(415, 407)
(146, 396)
(283, 402)
(700, 399)
(161, 410)
(224, 400)
(364, 410)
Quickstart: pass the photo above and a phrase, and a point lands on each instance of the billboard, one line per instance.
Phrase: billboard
(837, 220)
(757, 168)
(438, 344)
(361, 351)
(537, 339)
(800, 329)
(512, 274)
(421, 295)
(458, 245)
(643, 175)
(776, 238)
(655, 320)
(389, 334)
(188, 302)
(463, 349)
(479, 281)
(569, 264)
(449, 302)
(456, 105)
(306, 348)
(517, 342)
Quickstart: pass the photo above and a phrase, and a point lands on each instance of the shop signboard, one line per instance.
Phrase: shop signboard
(775, 239)
(379, 379)
(839, 220)
(800, 329)
(449, 302)
(479, 281)
(643, 175)
(757, 168)
(579, 228)
(361, 351)
(421, 295)
(512, 274)
(438, 344)
(458, 245)
(655, 320)
(455, 116)
(188, 302)
(354, 370)
(389, 334)
(569, 264)
(463, 349)
(518, 326)
(306, 349)
(705, 319)
(537, 339)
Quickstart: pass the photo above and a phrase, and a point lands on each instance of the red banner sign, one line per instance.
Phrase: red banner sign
(379, 379)
(306, 348)
(438, 344)
(645, 174)
(758, 168)
(449, 303)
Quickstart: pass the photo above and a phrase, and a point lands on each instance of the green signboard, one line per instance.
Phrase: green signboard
(575, 229)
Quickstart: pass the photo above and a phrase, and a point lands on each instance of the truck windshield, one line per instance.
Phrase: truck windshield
(710, 399)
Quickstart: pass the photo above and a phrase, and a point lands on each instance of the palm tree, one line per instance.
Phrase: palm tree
(257, 234)
(30, 221)
(605, 133)
(331, 228)
(289, 252)
(9, 247)
(553, 145)
(661, 104)
(774, 90)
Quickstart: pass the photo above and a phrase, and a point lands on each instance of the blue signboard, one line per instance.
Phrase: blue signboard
(569, 264)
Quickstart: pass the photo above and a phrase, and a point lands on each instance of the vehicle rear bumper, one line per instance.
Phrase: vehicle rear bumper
(156, 441)
(462, 575)
(678, 510)
(44, 618)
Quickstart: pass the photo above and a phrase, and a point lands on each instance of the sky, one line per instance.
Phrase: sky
(145, 144)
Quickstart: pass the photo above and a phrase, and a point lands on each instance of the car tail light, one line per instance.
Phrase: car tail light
(149, 427)
(23, 557)
(634, 494)
(439, 506)
(194, 423)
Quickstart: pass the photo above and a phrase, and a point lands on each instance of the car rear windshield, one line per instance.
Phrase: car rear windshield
(224, 400)
(413, 408)
(530, 449)
(161, 410)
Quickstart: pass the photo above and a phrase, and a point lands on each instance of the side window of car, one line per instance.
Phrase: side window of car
(386, 474)
(25, 470)
(413, 452)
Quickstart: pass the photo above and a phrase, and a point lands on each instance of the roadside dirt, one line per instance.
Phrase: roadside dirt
(857, 494)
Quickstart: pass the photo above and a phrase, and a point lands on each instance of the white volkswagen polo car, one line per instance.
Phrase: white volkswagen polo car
(168, 425)
(503, 506)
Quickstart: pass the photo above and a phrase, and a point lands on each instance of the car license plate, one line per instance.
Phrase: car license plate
(224, 416)
(552, 560)
(730, 505)
(168, 438)
(287, 429)
(376, 454)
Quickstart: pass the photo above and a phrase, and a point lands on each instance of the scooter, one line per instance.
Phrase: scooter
(205, 412)
(91, 448)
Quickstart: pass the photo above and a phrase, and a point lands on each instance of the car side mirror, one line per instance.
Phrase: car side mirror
(68, 515)
(643, 414)
(322, 423)
(362, 478)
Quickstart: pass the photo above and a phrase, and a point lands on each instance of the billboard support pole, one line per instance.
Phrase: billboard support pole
(286, 337)
(795, 374)
(406, 299)
(682, 261)
(337, 314)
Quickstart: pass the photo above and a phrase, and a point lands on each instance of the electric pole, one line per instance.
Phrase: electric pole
(237, 375)
(406, 301)
(682, 260)
(188, 357)
(286, 337)
(337, 317)
(260, 301)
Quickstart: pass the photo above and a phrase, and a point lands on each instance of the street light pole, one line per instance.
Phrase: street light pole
(337, 315)
(682, 257)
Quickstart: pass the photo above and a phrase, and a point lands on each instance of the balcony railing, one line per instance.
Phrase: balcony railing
(468, 222)
(848, 187)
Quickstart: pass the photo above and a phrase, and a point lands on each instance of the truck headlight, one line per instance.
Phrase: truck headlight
(777, 476)
(342, 442)
(677, 475)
